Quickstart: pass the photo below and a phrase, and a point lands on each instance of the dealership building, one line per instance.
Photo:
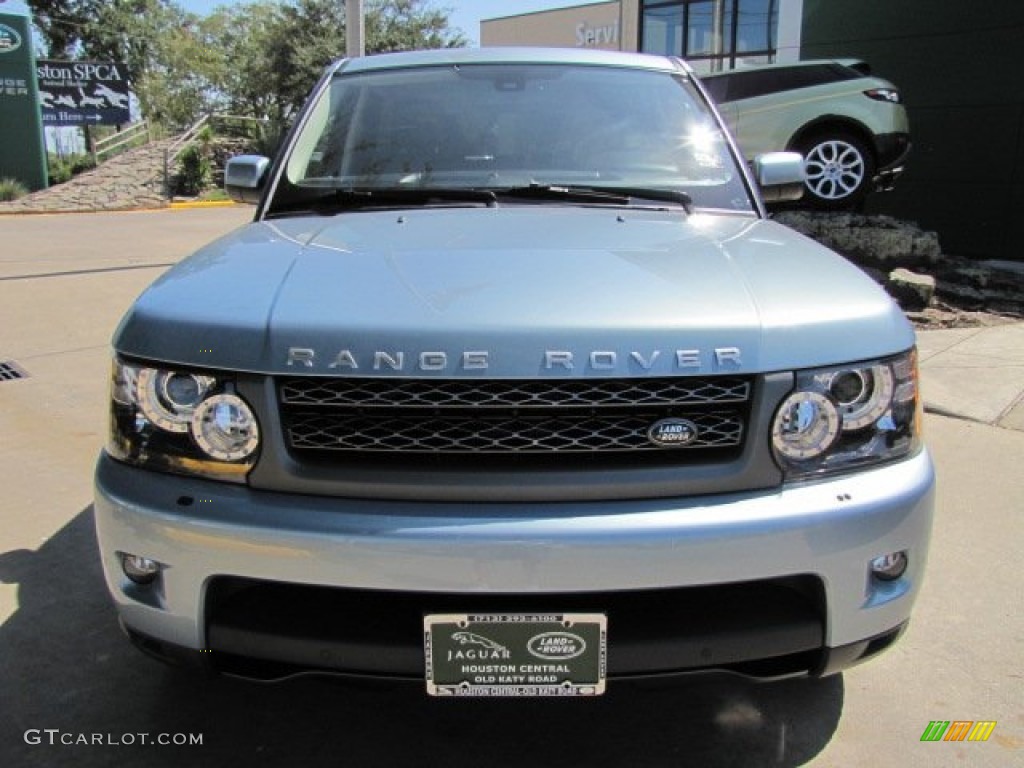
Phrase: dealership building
(957, 65)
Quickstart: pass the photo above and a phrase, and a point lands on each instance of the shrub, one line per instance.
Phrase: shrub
(11, 189)
(265, 138)
(82, 163)
(61, 169)
(195, 171)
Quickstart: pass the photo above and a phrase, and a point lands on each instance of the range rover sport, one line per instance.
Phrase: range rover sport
(512, 388)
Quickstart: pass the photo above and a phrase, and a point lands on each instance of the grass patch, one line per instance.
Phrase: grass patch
(213, 195)
(11, 189)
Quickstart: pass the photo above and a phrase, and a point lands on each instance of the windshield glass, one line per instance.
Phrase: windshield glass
(495, 127)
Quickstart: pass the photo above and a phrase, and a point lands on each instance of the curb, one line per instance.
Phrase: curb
(62, 211)
(127, 209)
(202, 204)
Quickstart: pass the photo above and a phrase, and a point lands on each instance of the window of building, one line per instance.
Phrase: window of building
(713, 35)
(663, 27)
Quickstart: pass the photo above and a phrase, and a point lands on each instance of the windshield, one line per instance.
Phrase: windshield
(510, 126)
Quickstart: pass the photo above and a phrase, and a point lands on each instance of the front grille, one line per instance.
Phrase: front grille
(489, 419)
(514, 434)
(504, 393)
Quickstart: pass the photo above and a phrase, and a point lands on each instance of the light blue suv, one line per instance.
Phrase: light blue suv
(511, 387)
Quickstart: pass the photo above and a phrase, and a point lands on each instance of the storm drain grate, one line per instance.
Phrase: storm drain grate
(9, 371)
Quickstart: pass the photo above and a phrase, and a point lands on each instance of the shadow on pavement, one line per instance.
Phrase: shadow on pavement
(65, 665)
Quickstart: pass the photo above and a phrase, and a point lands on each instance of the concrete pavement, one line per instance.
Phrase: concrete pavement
(975, 373)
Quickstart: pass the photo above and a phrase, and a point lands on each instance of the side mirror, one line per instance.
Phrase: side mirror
(780, 175)
(244, 176)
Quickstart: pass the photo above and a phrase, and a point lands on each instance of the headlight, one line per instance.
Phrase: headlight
(168, 398)
(225, 428)
(181, 421)
(846, 417)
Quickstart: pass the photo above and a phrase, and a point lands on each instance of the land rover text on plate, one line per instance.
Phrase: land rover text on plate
(511, 387)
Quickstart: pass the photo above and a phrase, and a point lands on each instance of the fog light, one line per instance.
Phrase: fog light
(889, 567)
(141, 570)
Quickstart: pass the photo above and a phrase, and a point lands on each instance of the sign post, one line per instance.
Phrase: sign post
(355, 29)
(22, 153)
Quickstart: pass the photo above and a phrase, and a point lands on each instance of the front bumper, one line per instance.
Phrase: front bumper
(892, 150)
(730, 581)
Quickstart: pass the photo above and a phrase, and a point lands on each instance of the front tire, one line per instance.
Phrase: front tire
(839, 170)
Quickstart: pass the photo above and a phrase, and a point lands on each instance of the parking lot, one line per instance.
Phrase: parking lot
(67, 672)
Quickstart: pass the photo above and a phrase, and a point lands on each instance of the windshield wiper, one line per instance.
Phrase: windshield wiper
(349, 198)
(570, 193)
(600, 194)
(666, 195)
(354, 198)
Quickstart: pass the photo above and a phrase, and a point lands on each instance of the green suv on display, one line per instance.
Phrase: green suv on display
(851, 128)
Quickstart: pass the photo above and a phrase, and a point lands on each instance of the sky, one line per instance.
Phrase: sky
(465, 14)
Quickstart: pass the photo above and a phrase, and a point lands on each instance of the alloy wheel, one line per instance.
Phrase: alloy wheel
(835, 169)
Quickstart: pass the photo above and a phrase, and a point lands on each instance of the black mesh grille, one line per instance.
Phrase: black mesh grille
(494, 418)
(472, 435)
(448, 393)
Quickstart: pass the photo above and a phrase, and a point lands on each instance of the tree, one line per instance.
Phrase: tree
(179, 85)
(166, 52)
(277, 51)
(253, 53)
(258, 59)
(62, 23)
(407, 25)
(310, 36)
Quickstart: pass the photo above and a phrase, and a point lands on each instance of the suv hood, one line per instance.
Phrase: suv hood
(515, 291)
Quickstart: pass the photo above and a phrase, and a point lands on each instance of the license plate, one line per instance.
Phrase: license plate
(518, 654)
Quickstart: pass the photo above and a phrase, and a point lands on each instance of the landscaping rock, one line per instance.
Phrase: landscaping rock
(975, 285)
(912, 291)
(221, 150)
(910, 264)
(869, 241)
(130, 180)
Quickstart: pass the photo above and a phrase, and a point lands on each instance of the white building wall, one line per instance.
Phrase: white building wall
(791, 18)
(597, 25)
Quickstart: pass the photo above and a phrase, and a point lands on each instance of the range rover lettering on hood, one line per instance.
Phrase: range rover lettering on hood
(717, 359)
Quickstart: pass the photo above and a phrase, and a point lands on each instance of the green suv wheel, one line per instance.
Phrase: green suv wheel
(839, 170)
